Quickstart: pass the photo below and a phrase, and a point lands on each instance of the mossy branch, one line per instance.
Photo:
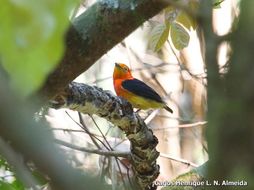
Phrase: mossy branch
(93, 100)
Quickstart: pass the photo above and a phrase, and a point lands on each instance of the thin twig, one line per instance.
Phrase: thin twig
(103, 136)
(86, 130)
(67, 130)
(151, 116)
(104, 168)
(7, 176)
(92, 137)
(110, 149)
(94, 151)
(179, 63)
(178, 160)
(190, 125)
(113, 174)
(136, 70)
(196, 77)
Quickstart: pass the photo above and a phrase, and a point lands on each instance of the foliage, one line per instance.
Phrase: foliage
(15, 183)
(35, 30)
(6, 186)
(179, 36)
(5, 183)
(31, 45)
(4, 164)
(159, 35)
(31, 40)
(176, 25)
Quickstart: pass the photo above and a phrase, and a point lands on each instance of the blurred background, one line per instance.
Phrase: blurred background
(178, 76)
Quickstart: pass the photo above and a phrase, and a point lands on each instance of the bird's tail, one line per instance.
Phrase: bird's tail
(168, 109)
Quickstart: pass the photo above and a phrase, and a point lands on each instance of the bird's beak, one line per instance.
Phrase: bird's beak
(117, 65)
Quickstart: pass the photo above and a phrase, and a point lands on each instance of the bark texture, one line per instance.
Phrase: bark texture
(95, 32)
(93, 100)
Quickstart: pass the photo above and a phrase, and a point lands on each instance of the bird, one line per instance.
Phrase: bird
(135, 91)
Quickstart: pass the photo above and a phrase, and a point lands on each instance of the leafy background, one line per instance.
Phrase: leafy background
(32, 40)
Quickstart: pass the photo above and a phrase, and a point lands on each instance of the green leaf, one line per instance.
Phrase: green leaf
(31, 40)
(159, 36)
(17, 184)
(170, 14)
(6, 186)
(4, 164)
(179, 36)
(186, 20)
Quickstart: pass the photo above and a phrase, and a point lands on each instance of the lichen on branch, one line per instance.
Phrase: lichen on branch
(93, 100)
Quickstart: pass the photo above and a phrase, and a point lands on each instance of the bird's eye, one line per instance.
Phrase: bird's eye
(125, 69)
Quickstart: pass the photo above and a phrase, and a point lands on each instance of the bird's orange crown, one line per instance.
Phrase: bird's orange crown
(122, 71)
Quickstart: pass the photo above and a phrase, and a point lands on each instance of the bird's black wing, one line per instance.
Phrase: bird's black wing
(139, 88)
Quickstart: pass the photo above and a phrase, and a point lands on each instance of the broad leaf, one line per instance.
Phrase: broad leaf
(170, 14)
(31, 40)
(179, 36)
(159, 36)
(186, 20)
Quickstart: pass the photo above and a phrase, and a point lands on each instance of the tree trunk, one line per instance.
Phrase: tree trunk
(230, 106)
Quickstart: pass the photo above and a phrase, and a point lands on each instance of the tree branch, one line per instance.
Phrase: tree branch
(100, 152)
(93, 33)
(188, 163)
(93, 100)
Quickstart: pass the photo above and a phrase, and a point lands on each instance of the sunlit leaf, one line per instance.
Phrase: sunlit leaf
(179, 36)
(170, 14)
(158, 37)
(31, 39)
(186, 20)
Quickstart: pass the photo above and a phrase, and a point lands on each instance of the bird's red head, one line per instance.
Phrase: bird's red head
(122, 71)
